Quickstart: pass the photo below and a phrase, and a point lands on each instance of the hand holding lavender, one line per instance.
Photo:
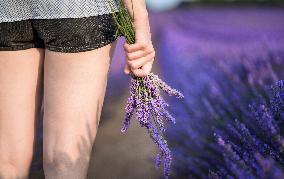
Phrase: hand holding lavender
(145, 97)
(140, 58)
(139, 55)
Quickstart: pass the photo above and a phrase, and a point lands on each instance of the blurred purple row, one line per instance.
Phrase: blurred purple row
(224, 59)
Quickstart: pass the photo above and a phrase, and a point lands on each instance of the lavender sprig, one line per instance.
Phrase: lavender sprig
(145, 97)
(150, 112)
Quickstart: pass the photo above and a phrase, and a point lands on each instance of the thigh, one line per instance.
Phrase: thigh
(74, 90)
(20, 99)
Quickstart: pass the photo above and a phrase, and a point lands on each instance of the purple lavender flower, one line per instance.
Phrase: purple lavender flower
(146, 101)
(277, 102)
(170, 91)
(130, 106)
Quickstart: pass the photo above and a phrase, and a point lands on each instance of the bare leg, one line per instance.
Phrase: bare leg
(20, 101)
(74, 92)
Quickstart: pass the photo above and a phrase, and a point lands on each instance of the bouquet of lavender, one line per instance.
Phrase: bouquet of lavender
(145, 97)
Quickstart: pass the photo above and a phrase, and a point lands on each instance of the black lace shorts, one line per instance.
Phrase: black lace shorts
(68, 35)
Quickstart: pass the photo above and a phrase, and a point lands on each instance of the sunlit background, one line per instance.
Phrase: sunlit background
(224, 56)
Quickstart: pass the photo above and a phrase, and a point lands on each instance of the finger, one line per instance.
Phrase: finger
(144, 71)
(140, 53)
(141, 61)
(133, 47)
(147, 67)
(126, 69)
(138, 72)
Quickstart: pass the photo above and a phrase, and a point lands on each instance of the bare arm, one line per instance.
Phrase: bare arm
(141, 54)
(137, 7)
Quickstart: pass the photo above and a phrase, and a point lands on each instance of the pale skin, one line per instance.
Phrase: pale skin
(72, 87)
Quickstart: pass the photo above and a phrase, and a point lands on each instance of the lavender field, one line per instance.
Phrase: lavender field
(225, 61)
(228, 62)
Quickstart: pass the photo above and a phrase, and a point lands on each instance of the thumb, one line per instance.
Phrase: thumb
(147, 68)
(126, 69)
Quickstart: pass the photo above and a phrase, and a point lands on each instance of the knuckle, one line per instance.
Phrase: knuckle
(143, 44)
(128, 56)
(149, 59)
(125, 46)
(135, 66)
(150, 47)
(132, 65)
(151, 56)
(129, 63)
(153, 53)
(126, 50)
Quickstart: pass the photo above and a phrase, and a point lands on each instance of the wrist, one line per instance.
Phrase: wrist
(140, 18)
